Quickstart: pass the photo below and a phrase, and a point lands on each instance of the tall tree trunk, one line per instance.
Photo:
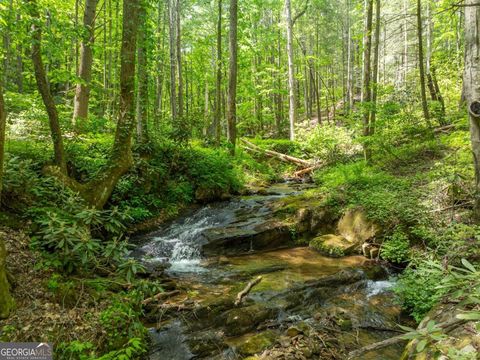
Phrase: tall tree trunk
(232, 77)
(43, 88)
(430, 69)
(142, 94)
(471, 81)
(3, 123)
(6, 301)
(179, 61)
(349, 60)
(160, 63)
(218, 84)
(376, 61)
(82, 92)
(367, 87)
(97, 191)
(421, 64)
(292, 112)
(173, 60)
(405, 42)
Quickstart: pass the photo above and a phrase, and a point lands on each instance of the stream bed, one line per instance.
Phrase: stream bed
(306, 306)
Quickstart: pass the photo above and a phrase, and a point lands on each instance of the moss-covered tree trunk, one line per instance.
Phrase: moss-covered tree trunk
(98, 191)
(43, 88)
(6, 301)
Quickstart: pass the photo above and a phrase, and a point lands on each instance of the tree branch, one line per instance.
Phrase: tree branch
(300, 14)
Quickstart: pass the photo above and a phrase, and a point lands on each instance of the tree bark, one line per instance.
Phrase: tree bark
(367, 88)
(218, 85)
(292, 110)
(232, 78)
(376, 60)
(142, 94)
(173, 60)
(471, 81)
(43, 88)
(82, 92)
(179, 61)
(421, 64)
(98, 190)
(6, 301)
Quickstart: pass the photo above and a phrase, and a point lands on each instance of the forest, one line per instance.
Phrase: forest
(255, 179)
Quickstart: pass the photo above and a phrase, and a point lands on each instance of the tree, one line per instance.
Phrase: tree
(421, 65)
(97, 191)
(82, 92)
(218, 83)
(376, 60)
(6, 300)
(173, 59)
(292, 108)
(142, 75)
(367, 88)
(44, 89)
(471, 81)
(232, 78)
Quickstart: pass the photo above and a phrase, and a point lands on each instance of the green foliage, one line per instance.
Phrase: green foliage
(121, 321)
(418, 290)
(387, 200)
(330, 143)
(420, 287)
(396, 247)
(425, 336)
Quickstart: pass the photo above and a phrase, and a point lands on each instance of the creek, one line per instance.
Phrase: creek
(307, 306)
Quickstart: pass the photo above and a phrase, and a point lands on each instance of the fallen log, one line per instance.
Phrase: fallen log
(443, 128)
(286, 158)
(246, 290)
(306, 171)
(160, 296)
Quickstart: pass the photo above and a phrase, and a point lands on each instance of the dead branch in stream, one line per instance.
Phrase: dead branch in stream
(451, 324)
(246, 290)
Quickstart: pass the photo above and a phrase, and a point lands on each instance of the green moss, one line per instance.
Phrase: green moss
(257, 343)
(330, 245)
(7, 303)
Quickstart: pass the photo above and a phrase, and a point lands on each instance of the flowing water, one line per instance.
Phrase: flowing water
(299, 287)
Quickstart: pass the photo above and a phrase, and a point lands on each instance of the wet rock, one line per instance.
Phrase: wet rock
(267, 235)
(206, 343)
(239, 321)
(257, 343)
(204, 195)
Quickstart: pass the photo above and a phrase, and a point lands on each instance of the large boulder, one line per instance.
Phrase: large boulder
(356, 228)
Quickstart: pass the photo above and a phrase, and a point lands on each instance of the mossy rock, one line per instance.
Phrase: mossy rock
(242, 320)
(332, 245)
(257, 343)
